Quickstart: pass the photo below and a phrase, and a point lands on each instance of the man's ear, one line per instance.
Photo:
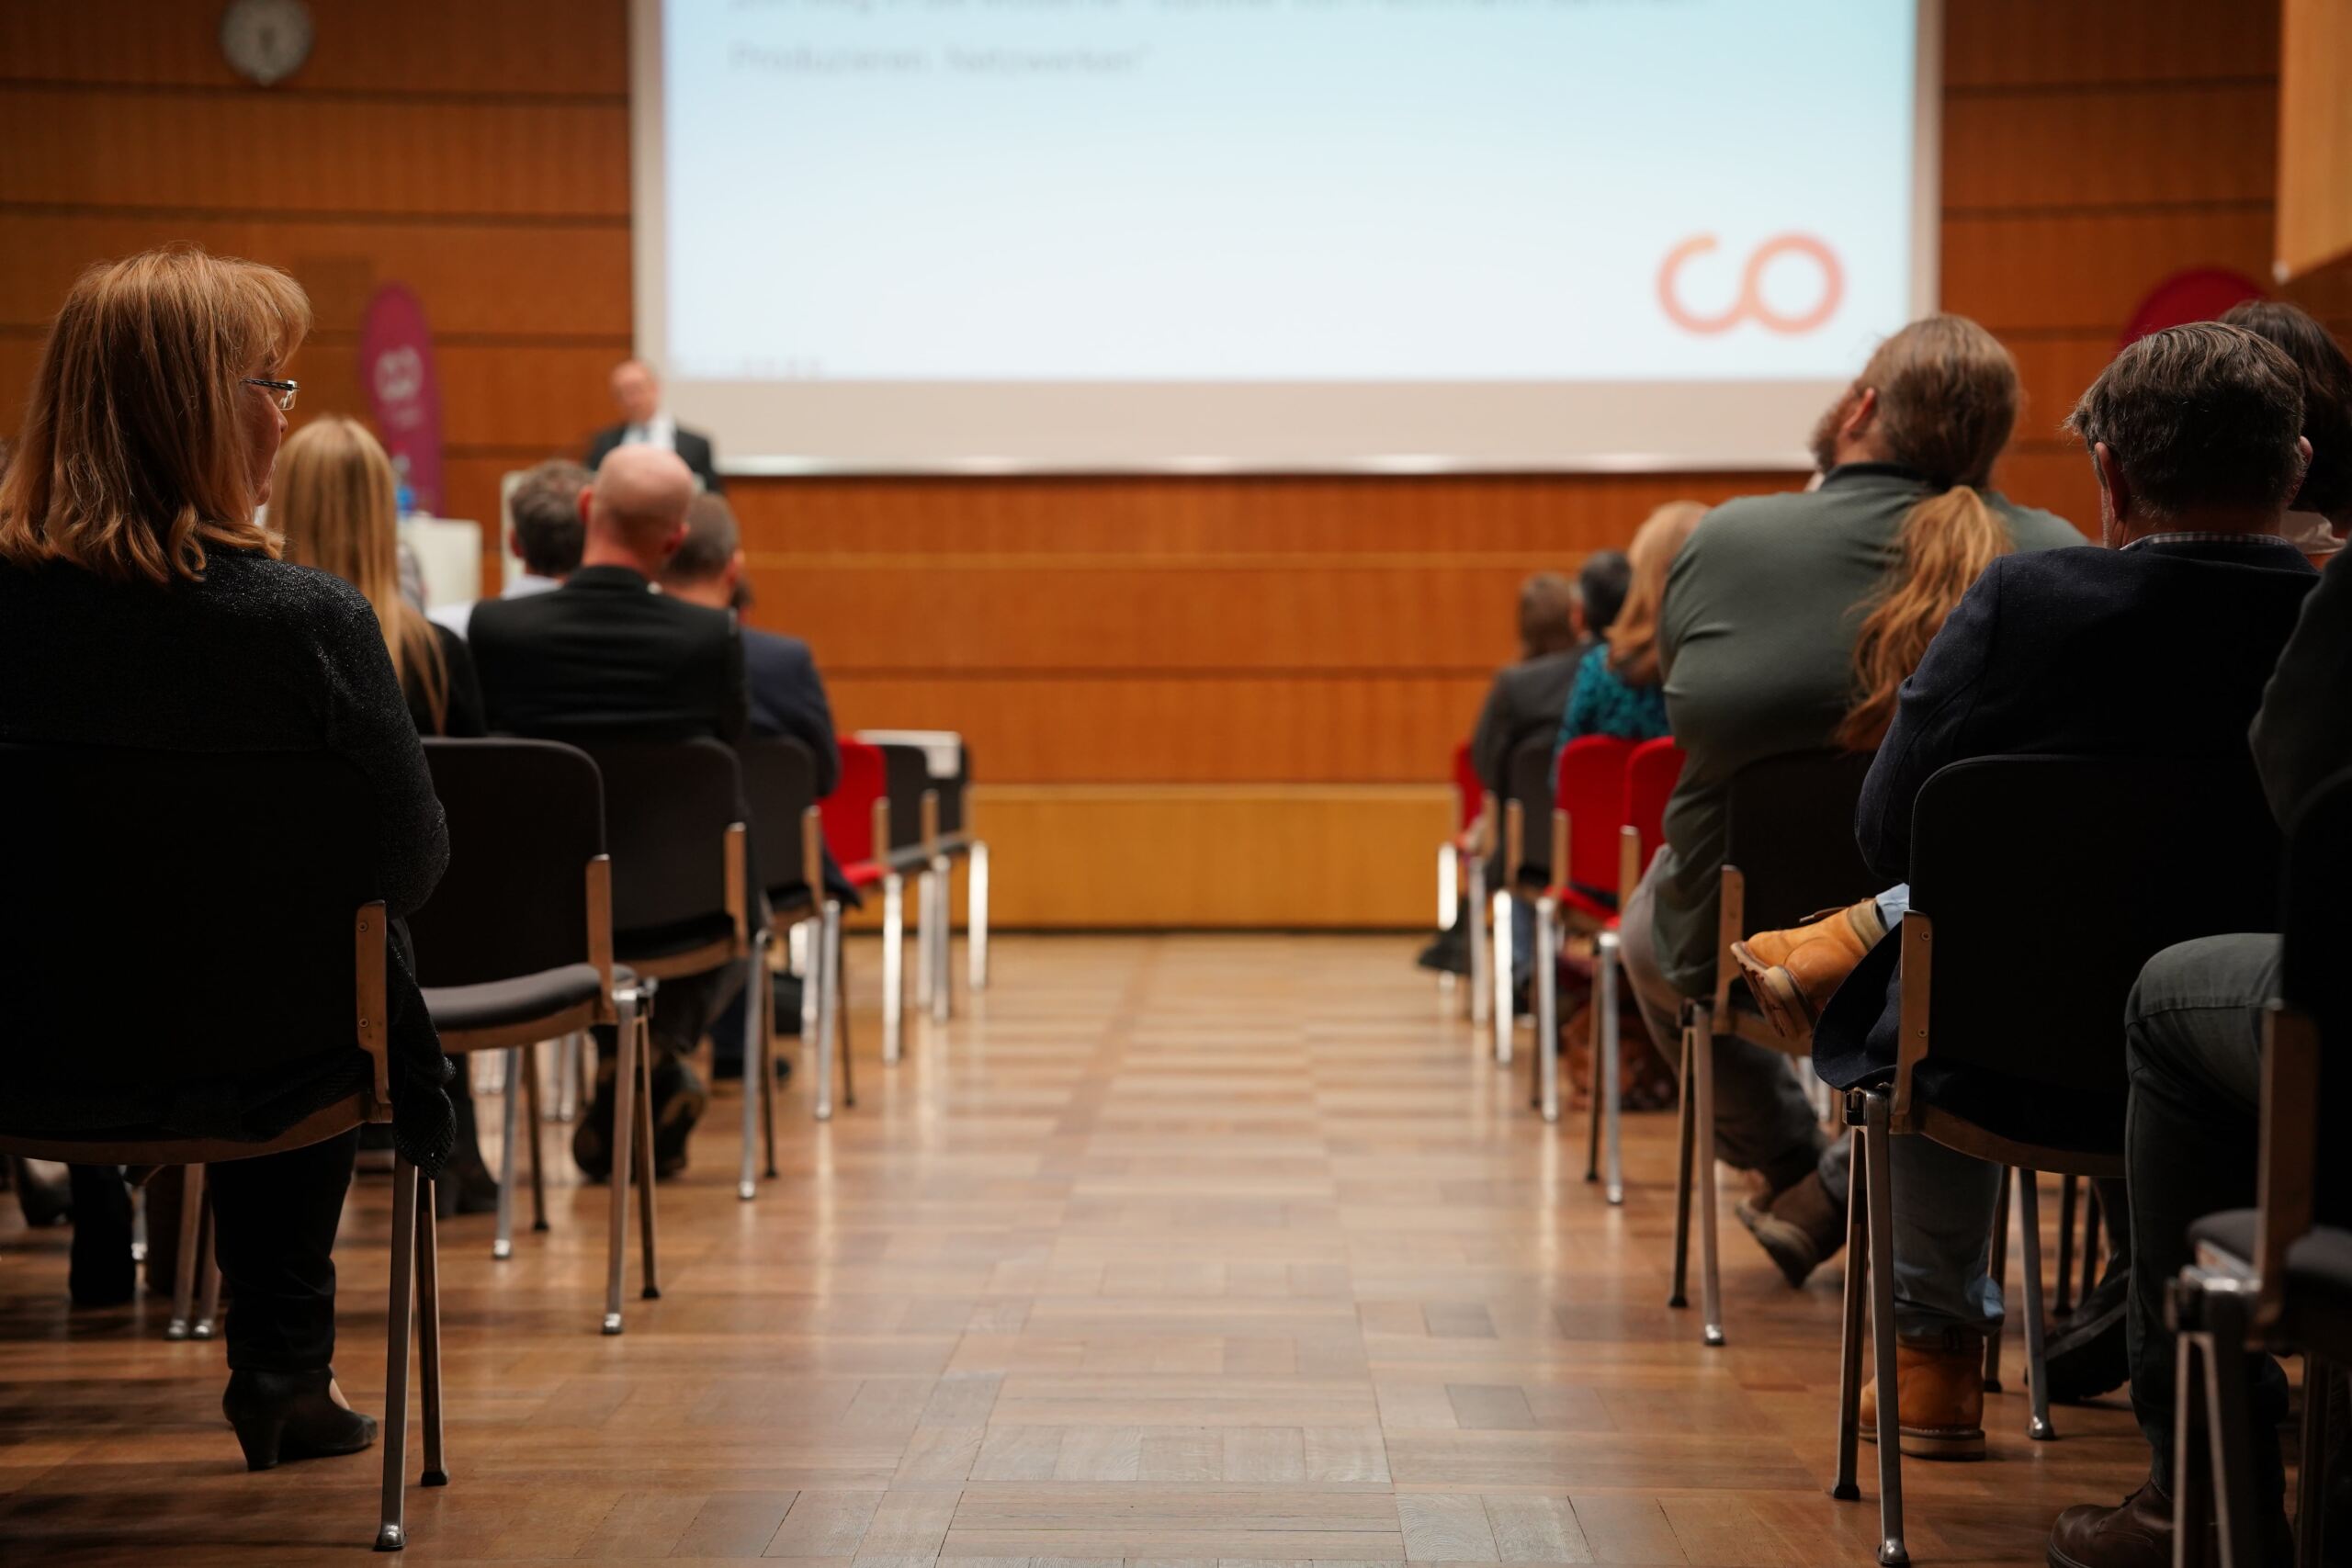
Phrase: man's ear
(1861, 416)
(2111, 482)
(734, 572)
(673, 537)
(587, 495)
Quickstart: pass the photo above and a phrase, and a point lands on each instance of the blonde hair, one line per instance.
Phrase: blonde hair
(1947, 542)
(132, 458)
(1633, 636)
(334, 500)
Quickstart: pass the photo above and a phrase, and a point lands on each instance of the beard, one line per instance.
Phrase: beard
(1824, 444)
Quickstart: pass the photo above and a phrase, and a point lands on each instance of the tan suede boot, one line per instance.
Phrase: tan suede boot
(1793, 973)
(1940, 1400)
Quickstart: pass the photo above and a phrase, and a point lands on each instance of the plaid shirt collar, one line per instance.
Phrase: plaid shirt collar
(2209, 536)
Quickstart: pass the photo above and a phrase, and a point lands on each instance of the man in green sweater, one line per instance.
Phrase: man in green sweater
(1757, 642)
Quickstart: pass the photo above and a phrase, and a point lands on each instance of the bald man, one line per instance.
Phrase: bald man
(607, 657)
(637, 393)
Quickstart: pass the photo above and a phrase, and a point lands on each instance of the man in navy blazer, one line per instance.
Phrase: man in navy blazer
(2157, 644)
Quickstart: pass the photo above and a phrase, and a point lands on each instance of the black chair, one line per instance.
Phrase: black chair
(682, 879)
(2012, 1050)
(274, 952)
(787, 839)
(2278, 1277)
(906, 844)
(1789, 852)
(515, 945)
(948, 775)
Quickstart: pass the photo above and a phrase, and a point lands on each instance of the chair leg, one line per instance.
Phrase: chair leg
(391, 1530)
(509, 1167)
(755, 1058)
(1547, 1008)
(1482, 982)
(894, 942)
(1603, 954)
(976, 918)
(429, 1333)
(1703, 1146)
(567, 1078)
(2069, 1193)
(2310, 1514)
(1501, 957)
(208, 1279)
(191, 1234)
(649, 1257)
(2037, 1370)
(1845, 1486)
(1878, 1200)
(924, 930)
(1685, 1110)
(767, 1059)
(2226, 1322)
(840, 1022)
(1605, 1051)
(629, 1001)
(2000, 1272)
(942, 983)
(818, 1004)
(531, 1139)
(2192, 1482)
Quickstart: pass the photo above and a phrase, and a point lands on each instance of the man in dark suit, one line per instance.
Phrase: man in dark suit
(637, 392)
(606, 656)
(2157, 646)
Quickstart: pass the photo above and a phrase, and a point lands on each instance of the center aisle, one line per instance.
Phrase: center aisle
(1186, 1250)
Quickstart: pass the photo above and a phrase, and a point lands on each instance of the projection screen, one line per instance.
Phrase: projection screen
(1275, 235)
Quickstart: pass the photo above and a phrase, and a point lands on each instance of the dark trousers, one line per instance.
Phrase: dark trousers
(2193, 1040)
(683, 1011)
(275, 1220)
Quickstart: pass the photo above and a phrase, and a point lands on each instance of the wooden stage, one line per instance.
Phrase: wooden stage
(1176, 1251)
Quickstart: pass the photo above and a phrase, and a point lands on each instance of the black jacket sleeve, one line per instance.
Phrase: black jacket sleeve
(367, 723)
(2303, 732)
(809, 714)
(1930, 728)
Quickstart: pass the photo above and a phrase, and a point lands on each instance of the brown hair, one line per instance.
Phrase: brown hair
(1547, 615)
(1633, 636)
(545, 505)
(2327, 396)
(132, 458)
(334, 500)
(1947, 399)
(2198, 415)
(1946, 544)
(712, 539)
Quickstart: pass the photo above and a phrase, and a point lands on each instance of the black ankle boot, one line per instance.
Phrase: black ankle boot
(290, 1416)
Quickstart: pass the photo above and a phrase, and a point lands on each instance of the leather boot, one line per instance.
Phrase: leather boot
(1940, 1400)
(291, 1415)
(2139, 1534)
(1793, 973)
(1798, 1228)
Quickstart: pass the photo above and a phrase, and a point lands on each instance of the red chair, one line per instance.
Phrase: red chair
(856, 819)
(1461, 862)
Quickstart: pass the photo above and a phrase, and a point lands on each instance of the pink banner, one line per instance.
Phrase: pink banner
(396, 366)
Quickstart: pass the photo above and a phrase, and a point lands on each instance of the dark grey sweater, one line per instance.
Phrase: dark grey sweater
(260, 656)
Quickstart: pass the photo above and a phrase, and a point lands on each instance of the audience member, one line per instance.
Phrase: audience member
(637, 392)
(2194, 433)
(1602, 582)
(2322, 509)
(786, 698)
(1757, 639)
(136, 583)
(2193, 1030)
(333, 502)
(545, 507)
(607, 657)
(1616, 692)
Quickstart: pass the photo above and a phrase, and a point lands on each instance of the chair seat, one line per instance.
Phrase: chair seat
(497, 1003)
(865, 873)
(659, 941)
(2319, 1279)
(1601, 911)
(2077, 1121)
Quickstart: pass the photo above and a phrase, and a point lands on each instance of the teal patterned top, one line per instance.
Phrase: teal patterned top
(1604, 703)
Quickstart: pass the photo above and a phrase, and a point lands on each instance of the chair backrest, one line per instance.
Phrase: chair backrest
(906, 779)
(849, 810)
(1469, 794)
(1529, 780)
(168, 918)
(952, 816)
(1651, 774)
(2316, 936)
(668, 808)
(526, 818)
(2050, 881)
(1589, 786)
(780, 786)
(1789, 828)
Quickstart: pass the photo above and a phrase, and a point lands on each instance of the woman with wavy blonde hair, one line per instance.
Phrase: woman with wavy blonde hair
(1618, 689)
(141, 606)
(333, 502)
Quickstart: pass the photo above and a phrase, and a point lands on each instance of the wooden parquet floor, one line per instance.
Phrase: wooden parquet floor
(1178, 1252)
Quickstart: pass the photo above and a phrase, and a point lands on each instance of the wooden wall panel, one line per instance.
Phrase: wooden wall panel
(2117, 43)
(2315, 136)
(2162, 143)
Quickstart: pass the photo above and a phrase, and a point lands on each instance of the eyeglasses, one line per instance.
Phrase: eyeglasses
(285, 391)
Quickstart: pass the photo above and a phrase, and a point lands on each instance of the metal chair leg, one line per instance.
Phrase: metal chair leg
(768, 1095)
(2069, 1193)
(2311, 1515)
(629, 1002)
(2192, 1482)
(2000, 1272)
(184, 1269)
(531, 1139)
(925, 928)
(976, 917)
(391, 1530)
(1685, 1119)
(650, 1258)
(1547, 1006)
(1607, 1050)
(1502, 957)
(1879, 1196)
(2226, 1315)
(840, 1022)
(816, 1007)
(1603, 956)
(943, 984)
(1482, 984)
(1703, 1143)
(755, 1057)
(2037, 1370)
(894, 940)
(1845, 1486)
(428, 1328)
(509, 1167)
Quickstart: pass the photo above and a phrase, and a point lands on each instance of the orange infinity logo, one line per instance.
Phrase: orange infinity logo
(1750, 302)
